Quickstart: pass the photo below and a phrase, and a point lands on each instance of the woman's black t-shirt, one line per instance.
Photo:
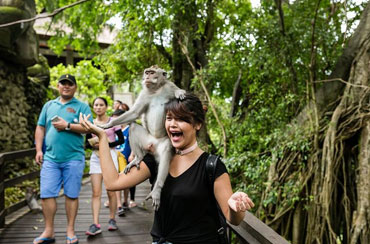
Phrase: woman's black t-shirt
(188, 211)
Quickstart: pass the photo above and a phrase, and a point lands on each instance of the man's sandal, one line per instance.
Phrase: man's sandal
(44, 240)
(71, 239)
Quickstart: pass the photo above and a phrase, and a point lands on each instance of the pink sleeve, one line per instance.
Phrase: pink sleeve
(118, 127)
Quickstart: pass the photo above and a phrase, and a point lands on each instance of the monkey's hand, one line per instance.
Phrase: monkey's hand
(180, 94)
(155, 195)
(135, 162)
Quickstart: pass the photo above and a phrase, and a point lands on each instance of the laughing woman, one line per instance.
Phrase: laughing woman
(188, 210)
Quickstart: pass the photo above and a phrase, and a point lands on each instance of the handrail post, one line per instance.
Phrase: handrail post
(2, 192)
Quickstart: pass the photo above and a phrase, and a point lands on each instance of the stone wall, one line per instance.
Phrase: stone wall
(24, 77)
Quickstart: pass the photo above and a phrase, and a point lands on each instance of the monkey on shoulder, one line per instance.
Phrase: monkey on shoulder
(156, 92)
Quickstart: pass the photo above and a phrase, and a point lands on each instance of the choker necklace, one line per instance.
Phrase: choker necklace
(188, 150)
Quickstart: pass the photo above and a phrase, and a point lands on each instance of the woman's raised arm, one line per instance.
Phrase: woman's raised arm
(112, 180)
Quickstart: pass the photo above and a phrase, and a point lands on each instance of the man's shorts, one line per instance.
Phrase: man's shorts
(95, 161)
(54, 175)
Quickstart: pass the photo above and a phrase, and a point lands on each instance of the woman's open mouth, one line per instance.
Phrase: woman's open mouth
(175, 136)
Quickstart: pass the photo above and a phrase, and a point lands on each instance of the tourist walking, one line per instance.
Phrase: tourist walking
(100, 106)
(64, 159)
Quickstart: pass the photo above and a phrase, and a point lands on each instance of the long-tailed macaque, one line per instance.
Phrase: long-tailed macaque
(157, 90)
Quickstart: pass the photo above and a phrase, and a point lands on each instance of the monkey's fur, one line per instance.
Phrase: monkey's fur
(31, 199)
(157, 90)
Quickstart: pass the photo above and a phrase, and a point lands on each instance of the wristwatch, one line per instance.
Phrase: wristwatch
(68, 127)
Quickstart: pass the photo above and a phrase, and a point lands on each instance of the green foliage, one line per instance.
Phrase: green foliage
(266, 57)
(90, 80)
(13, 195)
(18, 192)
(274, 61)
(15, 169)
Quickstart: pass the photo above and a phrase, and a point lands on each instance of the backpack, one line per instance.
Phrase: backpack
(222, 226)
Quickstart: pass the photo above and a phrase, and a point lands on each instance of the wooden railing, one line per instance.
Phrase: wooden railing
(252, 230)
(5, 183)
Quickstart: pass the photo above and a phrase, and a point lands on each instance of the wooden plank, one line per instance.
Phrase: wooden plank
(15, 207)
(2, 218)
(243, 236)
(133, 228)
(262, 233)
(7, 156)
(2, 193)
(20, 179)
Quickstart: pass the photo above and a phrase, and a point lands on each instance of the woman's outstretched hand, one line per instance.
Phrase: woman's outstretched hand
(240, 202)
(89, 127)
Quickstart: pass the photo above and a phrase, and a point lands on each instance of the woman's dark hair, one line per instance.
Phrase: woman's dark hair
(118, 112)
(189, 109)
(125, 107)
(101, 98)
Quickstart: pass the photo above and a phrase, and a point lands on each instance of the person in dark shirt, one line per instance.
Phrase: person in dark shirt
(188, 210)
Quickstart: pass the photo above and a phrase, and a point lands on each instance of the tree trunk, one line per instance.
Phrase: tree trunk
(329, 92)
(184, 28)
(361, 218)
(333, 182)
(237, 92)
(186, 32)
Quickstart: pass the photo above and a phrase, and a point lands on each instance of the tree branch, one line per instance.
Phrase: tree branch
(281, 15)
(43, 15)
(287, 54)
(209, 26)
(166, 54)
(343, 81)
(186, 53)
(236, 95)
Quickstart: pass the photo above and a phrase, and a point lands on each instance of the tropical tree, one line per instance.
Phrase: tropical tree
(288, 85)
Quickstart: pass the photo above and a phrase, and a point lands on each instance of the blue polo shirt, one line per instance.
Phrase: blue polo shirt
(63, 146)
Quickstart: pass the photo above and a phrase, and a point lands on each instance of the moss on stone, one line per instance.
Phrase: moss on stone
(9, 14)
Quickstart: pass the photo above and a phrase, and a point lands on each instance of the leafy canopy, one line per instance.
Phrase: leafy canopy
(275, 53)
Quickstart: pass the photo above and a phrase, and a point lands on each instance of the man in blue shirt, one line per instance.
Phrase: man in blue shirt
(64, 159)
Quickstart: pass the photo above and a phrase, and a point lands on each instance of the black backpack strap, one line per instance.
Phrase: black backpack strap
(211, 165)
(211, 169)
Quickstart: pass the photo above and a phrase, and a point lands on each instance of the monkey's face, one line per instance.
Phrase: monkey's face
(153, 78)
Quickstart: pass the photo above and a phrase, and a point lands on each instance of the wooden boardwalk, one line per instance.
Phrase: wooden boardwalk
(133, 228)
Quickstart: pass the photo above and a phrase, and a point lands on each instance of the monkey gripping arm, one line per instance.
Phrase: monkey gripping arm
(125, 118)
(130, 116)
